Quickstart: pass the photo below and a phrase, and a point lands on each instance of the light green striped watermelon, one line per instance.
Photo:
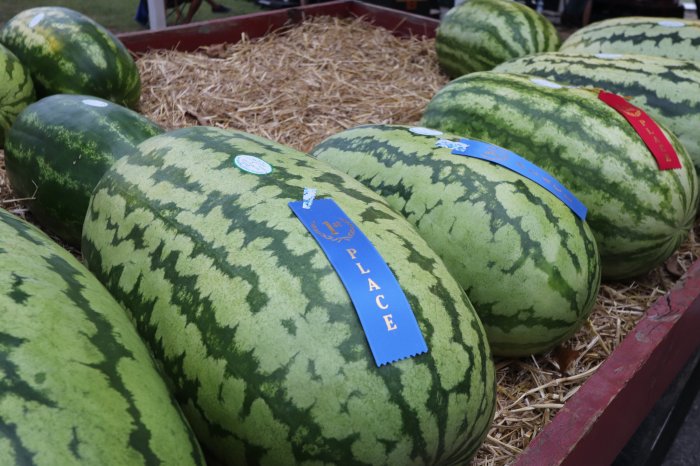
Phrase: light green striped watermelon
(638, 213)
(529, 265)
(252, 324)
(16, 90)
(68, 53)
(59, 148)
(479, 34)
(668, 89)
(78, 385)
(664, 37)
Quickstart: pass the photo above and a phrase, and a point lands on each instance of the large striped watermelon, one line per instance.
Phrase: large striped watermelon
(663, 37)
(16, 90)
(59, 148)
(68, 53)
(479, 34)
(78, 384)
(529, 265)
(638, 213)
(668, 89)
(252, 324)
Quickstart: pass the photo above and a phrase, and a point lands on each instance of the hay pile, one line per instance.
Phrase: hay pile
(296, 86)
(305, 83)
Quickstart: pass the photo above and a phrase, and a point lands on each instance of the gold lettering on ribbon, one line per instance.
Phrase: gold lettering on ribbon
(331, 231)
(651, 134)
(372, 285)
(352, 253)
(633, 112)
(388, 320)
(362, 271)
(330, 228)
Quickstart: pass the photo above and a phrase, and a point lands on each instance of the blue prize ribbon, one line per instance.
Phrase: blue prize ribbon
(385, 314)
(512, 161)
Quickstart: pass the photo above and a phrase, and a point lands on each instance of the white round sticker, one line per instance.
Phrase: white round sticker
(609, 56)
(545, 83)
(425, 131)
(36, 20)
(671, 24)
(252, 164)
(95, 103)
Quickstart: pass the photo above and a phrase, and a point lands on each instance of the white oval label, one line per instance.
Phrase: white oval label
(671, 24)
(36, 20)
(254, 165)
(425, 131)
(545, 83)
(95, 103)
(609, 56)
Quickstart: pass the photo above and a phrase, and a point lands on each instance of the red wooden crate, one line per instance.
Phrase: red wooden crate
(599, 419)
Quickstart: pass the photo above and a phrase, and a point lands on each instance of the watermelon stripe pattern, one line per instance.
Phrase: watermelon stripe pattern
(479, 34)
(59, 148)
(529, 266)
(16, 90)
(638, 214)
(252, 325)
(69, 53)
(666, 88)
(664, 37)
(78, 385)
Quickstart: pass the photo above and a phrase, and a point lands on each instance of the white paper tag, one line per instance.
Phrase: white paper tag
(546, 83)
(452, 145)
(425, 131)
(36, 20)
(671, 24)
(95, 103)
(251, 164)
(309, 196)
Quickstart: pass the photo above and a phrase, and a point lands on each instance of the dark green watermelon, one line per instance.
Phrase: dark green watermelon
(68, 53)
(251, 323)
(59, 148)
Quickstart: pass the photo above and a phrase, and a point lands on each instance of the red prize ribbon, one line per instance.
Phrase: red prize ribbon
(650, 132)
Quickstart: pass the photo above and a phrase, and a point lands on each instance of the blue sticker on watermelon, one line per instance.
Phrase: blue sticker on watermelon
(512, 161)
(385, 314)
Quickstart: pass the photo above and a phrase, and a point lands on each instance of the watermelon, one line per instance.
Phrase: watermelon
(253, 326)
(68, 53)
(59, 148)
(664, 37)
(16, 90)
(78, 384)
(666, 88)
(638, 213)
(479, 34)
(529, 265)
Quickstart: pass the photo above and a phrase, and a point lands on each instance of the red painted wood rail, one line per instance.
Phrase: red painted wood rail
(188, 37)
(599, 419)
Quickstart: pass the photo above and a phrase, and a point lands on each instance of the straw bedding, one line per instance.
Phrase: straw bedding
(307, 82)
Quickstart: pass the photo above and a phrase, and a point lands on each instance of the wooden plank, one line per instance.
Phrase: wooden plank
(596, 423)
(188, 37)
(400, 23)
